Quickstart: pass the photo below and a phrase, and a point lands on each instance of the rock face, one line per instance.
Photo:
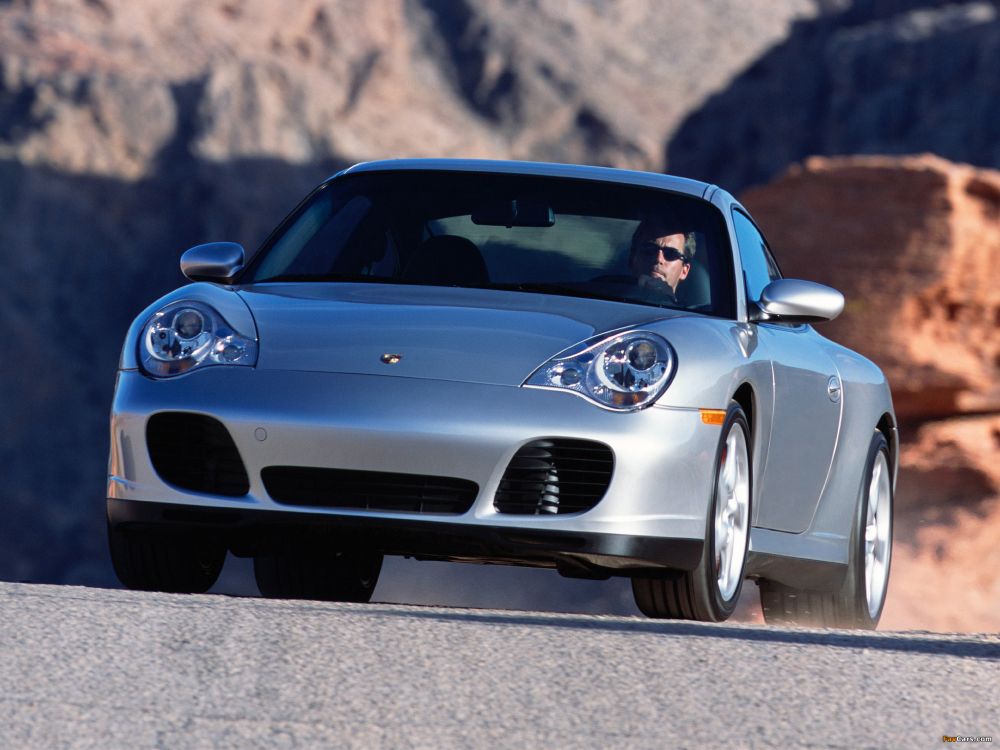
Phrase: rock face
(881, 77)
(104, 86)
(914, 244)
(946, 552)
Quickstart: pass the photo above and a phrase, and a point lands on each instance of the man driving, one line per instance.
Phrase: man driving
(660, 258)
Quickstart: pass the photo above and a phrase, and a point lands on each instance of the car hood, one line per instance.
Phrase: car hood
(441, 333)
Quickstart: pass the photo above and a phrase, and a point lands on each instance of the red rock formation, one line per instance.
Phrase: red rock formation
(914, 244)
(947, 555)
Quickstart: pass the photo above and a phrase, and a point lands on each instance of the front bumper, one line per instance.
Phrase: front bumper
(249, 532)
(653, 514)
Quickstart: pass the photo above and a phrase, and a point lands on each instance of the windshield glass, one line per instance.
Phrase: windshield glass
(496, 231)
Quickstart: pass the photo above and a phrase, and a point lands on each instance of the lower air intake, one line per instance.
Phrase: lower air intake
(555, 476)
(195, 452)
(368, 490)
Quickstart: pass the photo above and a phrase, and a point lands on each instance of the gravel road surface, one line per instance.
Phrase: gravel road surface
(85, 667)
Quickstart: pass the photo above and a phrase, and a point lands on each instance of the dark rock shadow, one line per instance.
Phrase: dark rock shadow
(882, 77)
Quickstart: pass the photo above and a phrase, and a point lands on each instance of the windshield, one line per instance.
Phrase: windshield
(514, 232)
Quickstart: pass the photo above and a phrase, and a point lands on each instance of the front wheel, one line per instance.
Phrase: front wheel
(161, 561)
(859, 602)
(337, 577)
(710, 591)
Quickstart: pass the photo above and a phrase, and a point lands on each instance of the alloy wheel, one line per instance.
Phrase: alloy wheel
(732, 512)
(878, 542)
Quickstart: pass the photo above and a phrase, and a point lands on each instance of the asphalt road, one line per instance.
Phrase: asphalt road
(84, 667)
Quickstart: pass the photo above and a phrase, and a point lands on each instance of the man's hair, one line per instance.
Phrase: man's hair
(662, 225)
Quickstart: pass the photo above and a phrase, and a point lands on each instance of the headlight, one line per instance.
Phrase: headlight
(625, 371)
(185, 335)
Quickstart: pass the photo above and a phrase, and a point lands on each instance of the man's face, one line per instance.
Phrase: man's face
(661, 258)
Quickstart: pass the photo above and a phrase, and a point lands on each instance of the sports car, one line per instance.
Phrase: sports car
(594, 370)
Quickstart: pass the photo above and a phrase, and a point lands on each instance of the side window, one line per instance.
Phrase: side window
(759, 269)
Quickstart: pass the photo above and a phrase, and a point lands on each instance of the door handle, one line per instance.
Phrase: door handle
(833, 388)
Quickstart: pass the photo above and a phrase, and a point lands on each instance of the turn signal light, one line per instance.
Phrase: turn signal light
(713, 416)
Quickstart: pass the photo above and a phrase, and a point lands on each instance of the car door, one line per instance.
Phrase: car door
(807, 404)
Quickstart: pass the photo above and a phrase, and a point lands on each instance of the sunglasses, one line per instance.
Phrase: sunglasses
(669, 253)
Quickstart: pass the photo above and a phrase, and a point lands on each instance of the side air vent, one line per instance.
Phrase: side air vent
(368, 490)
(555, 476)
(195, 452)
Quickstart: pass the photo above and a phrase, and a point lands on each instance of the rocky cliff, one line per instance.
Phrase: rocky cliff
(879, 77)
(114, 88)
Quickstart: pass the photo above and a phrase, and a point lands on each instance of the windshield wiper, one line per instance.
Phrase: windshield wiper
(562, 289)
(320, 277)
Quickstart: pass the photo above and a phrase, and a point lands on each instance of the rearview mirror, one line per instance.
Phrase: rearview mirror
(515, 213)
(798, 301)
(213, 261)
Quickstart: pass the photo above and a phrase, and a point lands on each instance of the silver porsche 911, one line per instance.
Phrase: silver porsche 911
(587, 369)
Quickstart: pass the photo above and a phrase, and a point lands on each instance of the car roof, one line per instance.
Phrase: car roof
(542, 169)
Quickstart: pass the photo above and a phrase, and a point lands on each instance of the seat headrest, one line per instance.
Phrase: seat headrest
(447, 259)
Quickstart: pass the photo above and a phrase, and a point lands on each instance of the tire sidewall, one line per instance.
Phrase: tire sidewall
(723, 608)
(855, 584)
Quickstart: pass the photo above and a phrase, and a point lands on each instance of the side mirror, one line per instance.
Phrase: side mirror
(213, 261)
(797, 301)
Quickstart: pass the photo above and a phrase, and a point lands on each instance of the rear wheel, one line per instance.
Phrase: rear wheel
(711, 590)
(859, 602)
(159, 561)
(339, 577)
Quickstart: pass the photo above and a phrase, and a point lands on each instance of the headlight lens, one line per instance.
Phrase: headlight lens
(185, 335)
(625, 371)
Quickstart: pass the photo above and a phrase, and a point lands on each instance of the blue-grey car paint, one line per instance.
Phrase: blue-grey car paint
(453, 405)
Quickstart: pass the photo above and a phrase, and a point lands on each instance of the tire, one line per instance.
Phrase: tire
(153, 561)
(860, 600)
(341, 577)
(705, 593)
